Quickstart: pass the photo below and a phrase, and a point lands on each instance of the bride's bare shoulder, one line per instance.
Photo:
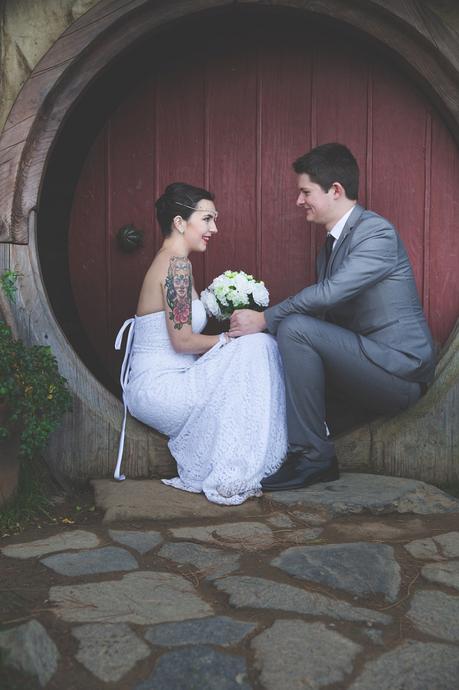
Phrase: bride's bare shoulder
(165, 263)
(164, 259)
(161, 266)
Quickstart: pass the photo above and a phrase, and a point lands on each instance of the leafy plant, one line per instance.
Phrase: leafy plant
(8, 280)
(32, 392)
(31, 504)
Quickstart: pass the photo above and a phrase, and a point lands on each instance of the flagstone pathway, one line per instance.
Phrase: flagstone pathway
(352, 585)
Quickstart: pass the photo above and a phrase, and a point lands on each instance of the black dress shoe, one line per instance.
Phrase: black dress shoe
(298, 471)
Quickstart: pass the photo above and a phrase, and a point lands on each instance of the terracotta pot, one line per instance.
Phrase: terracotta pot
(9, 461)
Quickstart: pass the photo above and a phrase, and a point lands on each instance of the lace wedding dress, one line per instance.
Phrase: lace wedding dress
(224, 412)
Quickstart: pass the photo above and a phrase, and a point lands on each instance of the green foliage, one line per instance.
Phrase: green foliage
(8, 281)
(31, 504)
(33, 391)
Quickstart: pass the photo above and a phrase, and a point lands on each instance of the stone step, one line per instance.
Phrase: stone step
(352, 493)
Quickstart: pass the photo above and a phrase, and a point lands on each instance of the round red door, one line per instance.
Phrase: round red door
(231, 114)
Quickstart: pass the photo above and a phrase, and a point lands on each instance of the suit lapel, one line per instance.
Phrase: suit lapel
(349, 226)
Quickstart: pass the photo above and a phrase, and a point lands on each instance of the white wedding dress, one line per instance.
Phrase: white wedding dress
(224, 412)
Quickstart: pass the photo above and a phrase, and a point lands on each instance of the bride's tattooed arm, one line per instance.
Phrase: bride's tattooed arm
(177, 284)
(178, 291)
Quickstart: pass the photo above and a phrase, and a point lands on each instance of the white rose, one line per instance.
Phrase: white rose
(217, 283)
(242, 285)
(210, 303)
(260, 295)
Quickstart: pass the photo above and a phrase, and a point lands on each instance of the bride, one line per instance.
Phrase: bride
(220, 400)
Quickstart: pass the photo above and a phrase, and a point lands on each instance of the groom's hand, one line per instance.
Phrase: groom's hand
(246, 321)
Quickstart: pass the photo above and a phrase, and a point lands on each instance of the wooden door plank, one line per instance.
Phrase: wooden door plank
(285, 75)
(444, 237)
(341, 84)
(231, 98)
(130, 184)
(398, 142)
(87, 248)
(180, 136)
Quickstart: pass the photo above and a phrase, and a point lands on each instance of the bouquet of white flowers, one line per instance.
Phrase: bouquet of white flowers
(234, 290)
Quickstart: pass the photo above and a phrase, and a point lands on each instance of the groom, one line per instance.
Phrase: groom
(355, 343)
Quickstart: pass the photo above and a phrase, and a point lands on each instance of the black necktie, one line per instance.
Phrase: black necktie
(328, 248)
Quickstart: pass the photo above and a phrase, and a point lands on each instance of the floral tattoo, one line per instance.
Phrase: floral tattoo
(178, 291)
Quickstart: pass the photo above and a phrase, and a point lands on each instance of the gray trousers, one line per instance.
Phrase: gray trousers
(328, 377)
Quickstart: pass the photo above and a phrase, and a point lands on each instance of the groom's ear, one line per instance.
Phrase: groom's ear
(338, 190)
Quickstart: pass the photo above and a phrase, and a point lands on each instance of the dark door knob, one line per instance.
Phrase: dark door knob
(129, 238)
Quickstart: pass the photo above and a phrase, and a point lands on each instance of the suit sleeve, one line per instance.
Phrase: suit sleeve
(371, 258)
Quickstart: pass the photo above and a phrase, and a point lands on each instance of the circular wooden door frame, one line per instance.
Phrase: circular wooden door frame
(82, 52)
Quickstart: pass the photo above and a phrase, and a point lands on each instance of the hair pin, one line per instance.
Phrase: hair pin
(196, 208)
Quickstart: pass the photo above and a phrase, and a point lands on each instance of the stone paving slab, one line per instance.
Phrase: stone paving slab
(295, 655)
(449, 544)
(299, 536)
(280, 521)
(74, 539)
(248, 536)
(378, 531)
(436, 614)
(319, 516)
(210, 563)
(150, 499)
(244, 536)
(259, 593)
(442, 573)
(144, 598)
(437, 548)
(106, 560)
(197, 668)
(355, 492)
(424, 549)
(412, 666)
(359, 568)
(29, 648)
(141, 541)
(109, 650)
(219, 630)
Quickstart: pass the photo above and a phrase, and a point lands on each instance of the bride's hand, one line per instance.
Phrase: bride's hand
(246, 321)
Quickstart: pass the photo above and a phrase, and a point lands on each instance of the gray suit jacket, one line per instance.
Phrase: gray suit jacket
(369, 288)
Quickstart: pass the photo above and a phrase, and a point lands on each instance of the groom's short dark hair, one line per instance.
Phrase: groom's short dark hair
(330, 163)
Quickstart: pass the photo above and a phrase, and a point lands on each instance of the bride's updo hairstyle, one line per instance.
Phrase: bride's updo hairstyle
(179, 199)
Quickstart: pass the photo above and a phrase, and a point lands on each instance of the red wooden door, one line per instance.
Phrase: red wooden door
(232, 116)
